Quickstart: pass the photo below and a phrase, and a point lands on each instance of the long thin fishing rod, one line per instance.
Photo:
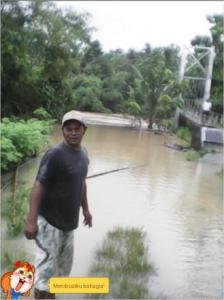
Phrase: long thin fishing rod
(113, 171)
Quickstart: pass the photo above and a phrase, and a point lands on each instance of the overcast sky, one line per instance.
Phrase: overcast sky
(132, 24)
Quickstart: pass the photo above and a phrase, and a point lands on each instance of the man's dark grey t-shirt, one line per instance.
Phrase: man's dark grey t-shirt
(62, 171)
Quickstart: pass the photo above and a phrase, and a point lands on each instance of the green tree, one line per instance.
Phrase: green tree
(115, 82)
(87, 92)
(115, 91)
(17, 88)
(42, 49)
(217, 77)
(172, 59)
(200, 40)
(158, 83)
(66, 36)
(91, 60)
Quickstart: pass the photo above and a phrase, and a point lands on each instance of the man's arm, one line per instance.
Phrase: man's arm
(31, 227)
(85, 207)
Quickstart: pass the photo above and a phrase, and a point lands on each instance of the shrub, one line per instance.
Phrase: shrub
(9, 154)
(21, 140)
(184, 134)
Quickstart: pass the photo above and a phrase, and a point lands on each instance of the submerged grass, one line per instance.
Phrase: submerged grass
(192, 155)
(123, 257)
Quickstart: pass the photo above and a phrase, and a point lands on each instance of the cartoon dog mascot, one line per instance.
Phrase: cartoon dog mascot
(19, 282)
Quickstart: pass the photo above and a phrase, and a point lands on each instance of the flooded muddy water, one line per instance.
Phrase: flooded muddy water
(179, 204)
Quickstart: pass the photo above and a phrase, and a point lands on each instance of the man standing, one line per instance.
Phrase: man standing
(56, 197)
(206, 107)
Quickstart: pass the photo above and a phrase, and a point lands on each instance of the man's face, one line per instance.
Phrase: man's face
(73, 132)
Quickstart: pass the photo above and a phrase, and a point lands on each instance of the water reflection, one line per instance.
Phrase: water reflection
(176, 202)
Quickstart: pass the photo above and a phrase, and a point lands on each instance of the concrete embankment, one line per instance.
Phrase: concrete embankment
(118, 120)
(213, 158)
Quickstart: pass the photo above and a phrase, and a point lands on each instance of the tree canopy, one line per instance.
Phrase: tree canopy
(50, 61)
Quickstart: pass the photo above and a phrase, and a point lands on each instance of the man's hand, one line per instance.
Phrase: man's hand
(31, 229)
(31, 226)
(87, 218)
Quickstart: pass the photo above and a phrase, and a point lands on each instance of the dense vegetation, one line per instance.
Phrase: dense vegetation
(22, 139)
(49, 60)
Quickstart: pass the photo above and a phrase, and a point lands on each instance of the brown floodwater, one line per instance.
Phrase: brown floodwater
(179, 205)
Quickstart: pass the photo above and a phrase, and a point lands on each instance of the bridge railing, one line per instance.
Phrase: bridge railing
(194, 110)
